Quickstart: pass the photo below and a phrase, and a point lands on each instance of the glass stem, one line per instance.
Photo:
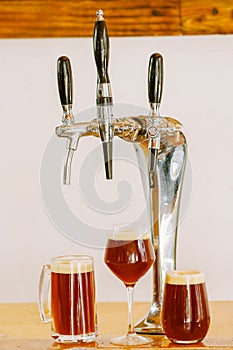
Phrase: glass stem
(130, 291)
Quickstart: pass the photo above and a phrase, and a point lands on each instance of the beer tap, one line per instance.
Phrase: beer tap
(155, 86)
(68, 128)
(166, 156)
(103, 92)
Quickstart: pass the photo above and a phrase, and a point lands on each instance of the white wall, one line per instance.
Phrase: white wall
(197, 91)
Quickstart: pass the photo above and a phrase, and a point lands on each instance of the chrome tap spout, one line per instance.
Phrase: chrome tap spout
(72, 133)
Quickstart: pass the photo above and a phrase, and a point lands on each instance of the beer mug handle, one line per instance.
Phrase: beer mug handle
(44, 288)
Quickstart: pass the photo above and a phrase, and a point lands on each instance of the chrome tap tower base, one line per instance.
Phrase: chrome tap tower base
(165, 190)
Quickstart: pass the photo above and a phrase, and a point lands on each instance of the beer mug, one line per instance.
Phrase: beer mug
(185, 310)
(67, 298)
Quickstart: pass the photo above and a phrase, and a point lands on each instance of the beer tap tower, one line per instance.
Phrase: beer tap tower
(158, 138)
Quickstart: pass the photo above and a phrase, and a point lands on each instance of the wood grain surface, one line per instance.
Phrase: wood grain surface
(207, 17)
(22, 329)
(75, 18)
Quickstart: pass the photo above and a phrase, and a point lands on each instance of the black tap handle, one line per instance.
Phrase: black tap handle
(101, 48)
(155, 78)
(64, 78)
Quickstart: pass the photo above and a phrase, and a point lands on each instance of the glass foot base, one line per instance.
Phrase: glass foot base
(66, 339)
(185, 342)
(131, 339)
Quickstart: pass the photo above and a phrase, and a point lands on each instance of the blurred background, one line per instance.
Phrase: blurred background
(197, 92)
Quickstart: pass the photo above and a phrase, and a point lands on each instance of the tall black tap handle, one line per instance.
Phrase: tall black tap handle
(65, 83)
(155, 78)
(101, 48)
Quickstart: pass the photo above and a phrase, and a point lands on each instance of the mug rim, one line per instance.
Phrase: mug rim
(72, 263)
(72, 257)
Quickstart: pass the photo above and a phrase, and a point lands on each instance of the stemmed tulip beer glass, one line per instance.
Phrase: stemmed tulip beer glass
(129, 254)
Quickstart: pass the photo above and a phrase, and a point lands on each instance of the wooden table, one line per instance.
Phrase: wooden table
(21, 328)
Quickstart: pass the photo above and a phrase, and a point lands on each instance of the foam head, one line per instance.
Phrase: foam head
(184, 277)
(72, 264)
(129, 233)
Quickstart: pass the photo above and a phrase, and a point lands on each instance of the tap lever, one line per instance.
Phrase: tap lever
(65, 87)
(155, 82)
(101, 53)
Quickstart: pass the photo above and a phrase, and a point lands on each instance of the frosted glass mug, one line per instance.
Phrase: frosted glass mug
(67, 298)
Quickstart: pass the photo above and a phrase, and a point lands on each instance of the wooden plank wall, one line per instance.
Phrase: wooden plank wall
(75, 18)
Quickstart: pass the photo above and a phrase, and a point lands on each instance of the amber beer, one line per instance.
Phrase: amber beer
(129, 259)
(185, 311)
(73, 298)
